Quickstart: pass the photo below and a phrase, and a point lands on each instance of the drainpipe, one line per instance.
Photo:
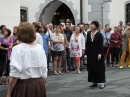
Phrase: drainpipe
(81, 11)
(102, 5)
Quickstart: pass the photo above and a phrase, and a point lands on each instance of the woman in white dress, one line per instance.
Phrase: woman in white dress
(77, 47)
(28, 66)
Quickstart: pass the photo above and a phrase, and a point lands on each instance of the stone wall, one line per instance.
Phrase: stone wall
(98, 13)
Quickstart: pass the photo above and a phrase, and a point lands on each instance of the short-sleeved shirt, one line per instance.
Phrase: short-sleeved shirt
(28, 61)
(46, 40)
(8, 44)
(54, 36)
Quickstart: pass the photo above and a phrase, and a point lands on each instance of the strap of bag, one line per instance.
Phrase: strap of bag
(106, 37)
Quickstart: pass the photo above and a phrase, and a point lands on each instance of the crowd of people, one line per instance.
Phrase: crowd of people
(68, 46)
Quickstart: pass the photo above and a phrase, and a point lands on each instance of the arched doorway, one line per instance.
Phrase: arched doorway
(127, 13)
(47, 10)
(61, 14)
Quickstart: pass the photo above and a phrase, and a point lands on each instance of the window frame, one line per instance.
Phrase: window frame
(24, 9)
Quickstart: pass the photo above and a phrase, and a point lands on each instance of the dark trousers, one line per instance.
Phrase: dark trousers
(2, 68)
(7, 68)
(72, 62)
(108, 57)
(68, 58)
(115, 54)
(82, 61)
(120, 51)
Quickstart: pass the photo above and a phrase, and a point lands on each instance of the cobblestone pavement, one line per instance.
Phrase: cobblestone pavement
(76, 85)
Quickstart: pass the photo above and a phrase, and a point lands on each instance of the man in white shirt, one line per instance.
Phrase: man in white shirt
(39, 39)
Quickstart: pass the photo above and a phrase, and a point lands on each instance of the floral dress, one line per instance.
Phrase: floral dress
(75, 48)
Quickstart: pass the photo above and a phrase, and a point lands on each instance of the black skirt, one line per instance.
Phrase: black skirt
(96, 77)
(29, 88)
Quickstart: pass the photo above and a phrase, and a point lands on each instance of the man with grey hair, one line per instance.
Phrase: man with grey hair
(51, 27)
(121, 25)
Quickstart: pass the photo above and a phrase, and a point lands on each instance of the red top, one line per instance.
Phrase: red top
(115, 36)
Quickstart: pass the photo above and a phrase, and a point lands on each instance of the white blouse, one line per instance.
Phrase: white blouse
(81, 43)
(28, 61)
(39, 39)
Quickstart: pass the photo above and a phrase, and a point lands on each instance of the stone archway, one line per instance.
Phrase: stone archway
(127, 12)
(46, 10)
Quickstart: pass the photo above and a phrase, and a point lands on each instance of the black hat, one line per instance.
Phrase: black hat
(96, 23)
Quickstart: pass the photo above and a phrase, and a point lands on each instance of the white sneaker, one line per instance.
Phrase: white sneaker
(79, 72)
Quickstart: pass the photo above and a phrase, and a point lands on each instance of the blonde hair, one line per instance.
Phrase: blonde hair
(62, 31)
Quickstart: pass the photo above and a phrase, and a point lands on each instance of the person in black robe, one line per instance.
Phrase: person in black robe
(95, 56)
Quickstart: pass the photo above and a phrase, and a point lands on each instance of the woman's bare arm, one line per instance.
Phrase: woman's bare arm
(12, 83)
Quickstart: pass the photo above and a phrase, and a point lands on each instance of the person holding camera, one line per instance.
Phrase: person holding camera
(125, 47)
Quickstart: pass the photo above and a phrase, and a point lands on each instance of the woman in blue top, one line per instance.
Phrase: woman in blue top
(106, 35)
(45, 38)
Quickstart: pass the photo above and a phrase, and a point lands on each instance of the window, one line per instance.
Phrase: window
(23, 15)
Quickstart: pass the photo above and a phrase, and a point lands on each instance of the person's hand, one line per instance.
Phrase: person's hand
(128, 28)
(6, 49)
(10, 47)
(8, 95)
(17, 43)
(99, 57)
(49, 46)
(115, 42)
(108, 42)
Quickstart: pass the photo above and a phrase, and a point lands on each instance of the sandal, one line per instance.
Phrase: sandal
(66, 71)
(60, 73)
(55, 73)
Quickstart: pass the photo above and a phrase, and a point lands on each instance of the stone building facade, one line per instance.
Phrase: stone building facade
(105, 11)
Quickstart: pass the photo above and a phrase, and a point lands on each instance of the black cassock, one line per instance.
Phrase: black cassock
(95, 67)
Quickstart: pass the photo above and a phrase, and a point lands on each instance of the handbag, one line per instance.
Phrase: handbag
(56, 46)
